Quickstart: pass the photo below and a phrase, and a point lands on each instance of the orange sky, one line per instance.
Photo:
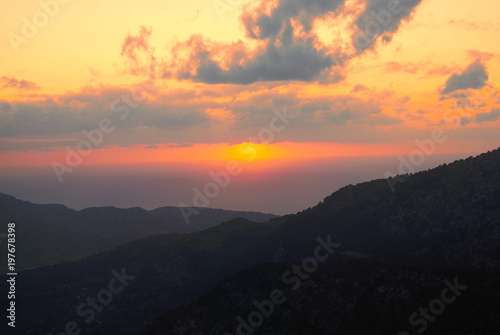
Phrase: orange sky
(185, 81)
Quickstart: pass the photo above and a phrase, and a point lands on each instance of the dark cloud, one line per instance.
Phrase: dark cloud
(260, 25)
(36, 144)
(340, 117)
(309, 108)
(28, 119)
(381, 18)
(76, 112)
(383, 120)
(341, 110)
(300, 62)
(465, 120)
(287, 48)
(18, 84)
(474, 76)
(488, 117)
(179, 116)
(283, 56)
(5, 106)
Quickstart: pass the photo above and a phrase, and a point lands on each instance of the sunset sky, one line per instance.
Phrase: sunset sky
(192, 80)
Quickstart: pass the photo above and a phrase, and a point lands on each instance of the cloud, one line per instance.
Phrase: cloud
(440, 70)
(342, 110)
(287, 49)
(488, 117)
(282, 44)
(465, 120)
(473, 25)
(287, 62)
(5, 106)
(483, 56)
(340, 117)
(469, 25)
(380, 19)
(399, 67)
(34, 144)
(18, 84)
(74, 112)
(474, 76)
(383, 120)
(263, 23)
(140, 54)
(359, 88)
(94, 72)
(182, 115)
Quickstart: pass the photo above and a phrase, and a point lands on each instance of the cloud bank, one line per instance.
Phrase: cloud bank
(474, 76)
(289, 48)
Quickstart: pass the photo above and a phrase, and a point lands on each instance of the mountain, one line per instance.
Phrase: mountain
(341, 297)
(390, 254)
(398, 251)
(169, 270)
(50, 234)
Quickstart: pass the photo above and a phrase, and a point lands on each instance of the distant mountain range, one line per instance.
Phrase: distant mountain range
(389, 254)
(50, 234)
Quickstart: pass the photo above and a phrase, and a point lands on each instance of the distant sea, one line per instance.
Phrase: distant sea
(283, 186)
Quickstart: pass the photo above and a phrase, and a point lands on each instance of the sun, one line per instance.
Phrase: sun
(250, 152)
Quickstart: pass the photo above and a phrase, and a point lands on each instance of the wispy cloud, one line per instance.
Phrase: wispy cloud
(140, 54)
(18, 84)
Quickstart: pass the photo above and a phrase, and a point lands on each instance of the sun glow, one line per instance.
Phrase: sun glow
(250, 152)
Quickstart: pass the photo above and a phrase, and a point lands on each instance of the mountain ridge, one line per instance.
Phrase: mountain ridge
(427, 226)
(53, 233)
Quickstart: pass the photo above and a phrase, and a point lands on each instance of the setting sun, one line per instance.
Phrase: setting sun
(250, 152)
(250, 166)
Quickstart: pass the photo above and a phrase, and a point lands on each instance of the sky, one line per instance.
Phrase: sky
(123, 83)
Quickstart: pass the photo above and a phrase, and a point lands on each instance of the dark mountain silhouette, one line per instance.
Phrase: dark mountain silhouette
(341, 297)
(50, 234)
(396, 251)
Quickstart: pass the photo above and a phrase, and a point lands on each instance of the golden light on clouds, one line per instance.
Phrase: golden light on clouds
(218, 76)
